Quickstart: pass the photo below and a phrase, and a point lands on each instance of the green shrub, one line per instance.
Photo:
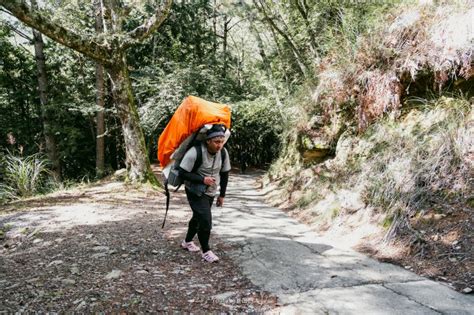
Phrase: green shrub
(256, 129)
(23, 176)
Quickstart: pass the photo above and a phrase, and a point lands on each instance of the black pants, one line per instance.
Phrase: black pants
(201, 222)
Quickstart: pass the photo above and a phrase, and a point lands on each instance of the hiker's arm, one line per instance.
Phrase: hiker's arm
(192, 177)
(223, 184)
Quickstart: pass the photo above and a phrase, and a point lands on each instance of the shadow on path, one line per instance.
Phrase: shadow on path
(311, 274)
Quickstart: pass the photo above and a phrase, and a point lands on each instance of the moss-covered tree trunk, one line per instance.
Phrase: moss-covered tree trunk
(138, 165)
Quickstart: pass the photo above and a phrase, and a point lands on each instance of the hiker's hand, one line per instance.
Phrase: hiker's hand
(209, 181)
(220, 201)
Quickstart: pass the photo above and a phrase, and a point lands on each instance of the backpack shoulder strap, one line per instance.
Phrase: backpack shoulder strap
(223, 156)
(198, 161)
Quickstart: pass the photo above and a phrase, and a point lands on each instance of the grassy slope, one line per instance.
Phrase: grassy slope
(400, 184)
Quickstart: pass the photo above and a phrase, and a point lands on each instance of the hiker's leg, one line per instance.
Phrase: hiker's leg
(194, 222)
(204, 233)
(192, 228)
(201, 206)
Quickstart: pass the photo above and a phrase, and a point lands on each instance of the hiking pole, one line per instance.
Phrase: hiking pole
(167, 192)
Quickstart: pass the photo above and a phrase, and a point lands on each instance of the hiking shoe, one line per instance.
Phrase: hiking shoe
(190, 246)
(209, 256)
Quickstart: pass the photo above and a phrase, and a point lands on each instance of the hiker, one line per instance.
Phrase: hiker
(201, 187)
(243, 157)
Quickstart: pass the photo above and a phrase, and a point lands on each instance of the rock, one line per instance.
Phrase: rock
(224, 296)
(154, 252)
(99, 255)
(37, 240)
(467, 290)
(81, 305)
(68, 281)
(101, 248)
(114, 274)
(141, 272)
(75, 270)
(46, 244)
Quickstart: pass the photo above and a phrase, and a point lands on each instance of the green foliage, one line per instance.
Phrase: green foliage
(22, 176)
(18, 96)
(256, 126)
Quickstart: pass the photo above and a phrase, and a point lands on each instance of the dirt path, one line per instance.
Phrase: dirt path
(102, 249)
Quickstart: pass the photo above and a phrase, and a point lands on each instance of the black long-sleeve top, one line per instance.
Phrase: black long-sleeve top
(196, 178)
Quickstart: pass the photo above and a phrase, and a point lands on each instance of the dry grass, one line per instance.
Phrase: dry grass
(431, 43)
(395, 168)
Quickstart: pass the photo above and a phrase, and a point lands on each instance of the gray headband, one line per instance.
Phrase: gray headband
(215, 134)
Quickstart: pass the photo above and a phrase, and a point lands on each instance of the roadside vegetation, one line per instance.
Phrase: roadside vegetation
(381, 152)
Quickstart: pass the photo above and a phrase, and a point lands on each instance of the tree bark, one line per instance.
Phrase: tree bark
(100, 98)
(224, 44)
(49, 139)
(137, 162)
(214, 28)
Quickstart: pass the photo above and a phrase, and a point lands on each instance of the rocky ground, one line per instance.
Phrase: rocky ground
(102, 248)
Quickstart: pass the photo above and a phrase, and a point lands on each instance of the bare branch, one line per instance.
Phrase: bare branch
(38, 20)
(147, 28)
(230, 27)
(17, 31)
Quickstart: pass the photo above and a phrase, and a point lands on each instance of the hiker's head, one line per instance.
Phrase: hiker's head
(215, 138)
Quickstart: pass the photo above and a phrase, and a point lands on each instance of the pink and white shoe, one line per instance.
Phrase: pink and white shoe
(209, 256)
(190, 246)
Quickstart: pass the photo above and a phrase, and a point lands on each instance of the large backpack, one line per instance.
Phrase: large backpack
(188, 125)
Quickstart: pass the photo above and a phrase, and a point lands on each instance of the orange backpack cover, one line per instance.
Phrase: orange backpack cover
(190, 116)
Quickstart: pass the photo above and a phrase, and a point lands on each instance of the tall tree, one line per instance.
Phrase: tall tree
(100, 97)
(110, 51)
(49, 139)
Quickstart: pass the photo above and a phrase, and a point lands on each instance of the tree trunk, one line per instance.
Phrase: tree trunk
(100, 121)
(50, 142)
(286, 37)
(303, 10)
(100, 99)
(224, 44)
(214, 28)
(137, 162)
